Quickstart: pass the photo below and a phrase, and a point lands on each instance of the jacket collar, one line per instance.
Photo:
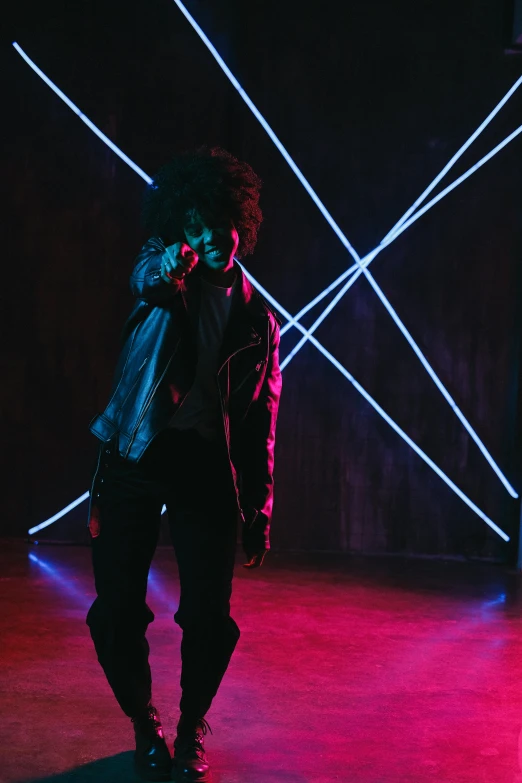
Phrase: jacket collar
(245, 302)
(248, 318)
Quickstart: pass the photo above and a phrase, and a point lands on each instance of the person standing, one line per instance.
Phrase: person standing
(190, 423)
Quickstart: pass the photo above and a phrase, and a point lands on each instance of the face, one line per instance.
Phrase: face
(215, 244)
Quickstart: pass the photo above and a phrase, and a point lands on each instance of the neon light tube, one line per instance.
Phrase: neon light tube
(384, 415)
(366, 261)
(367, 397)
(455, 158)
(82, 116)
(395, 231)
(60, 514)
(305, 332)
(393, 313)
(360, 263)
(409, 441)
(257, 114)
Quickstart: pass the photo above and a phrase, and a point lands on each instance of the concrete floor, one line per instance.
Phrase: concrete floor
(348, 669)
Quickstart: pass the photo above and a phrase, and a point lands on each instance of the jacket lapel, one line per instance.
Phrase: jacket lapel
(244, 325)
(243, 328)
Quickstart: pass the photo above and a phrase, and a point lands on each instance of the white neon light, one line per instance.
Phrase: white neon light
(366, 261)
(451, 187)
(60, 514)
(455, 158)
(445, 393)
(316, 343)
(422, 454)
(427, 366)
(399, 227)
(356, 270)
(82, 116)
(257, 114)
(409, 441)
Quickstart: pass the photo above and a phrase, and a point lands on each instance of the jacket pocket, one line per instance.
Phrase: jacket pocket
(255, 370)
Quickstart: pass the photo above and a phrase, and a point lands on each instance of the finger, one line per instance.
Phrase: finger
(172, 251)
(186, 250)
(181, 254)
(165, 277)
(188, 260)
(186, 268)
(166, 272)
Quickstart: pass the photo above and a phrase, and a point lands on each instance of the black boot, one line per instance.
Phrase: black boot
(190, 763)
(152, 758)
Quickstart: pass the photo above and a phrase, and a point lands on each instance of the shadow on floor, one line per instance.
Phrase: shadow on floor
(113, 769)
(120, 769)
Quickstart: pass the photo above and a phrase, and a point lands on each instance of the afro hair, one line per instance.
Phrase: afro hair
(211, 182)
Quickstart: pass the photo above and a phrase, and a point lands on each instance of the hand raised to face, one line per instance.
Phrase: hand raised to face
(177, 261)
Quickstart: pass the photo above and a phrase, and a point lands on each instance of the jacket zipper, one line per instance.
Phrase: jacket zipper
(227, 431)
(244, 348)
(247, 376)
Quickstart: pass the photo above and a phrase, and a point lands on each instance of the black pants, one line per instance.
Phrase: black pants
(192, 477)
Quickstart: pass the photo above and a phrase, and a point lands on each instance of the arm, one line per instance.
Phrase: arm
(146, 280)
(257, 455)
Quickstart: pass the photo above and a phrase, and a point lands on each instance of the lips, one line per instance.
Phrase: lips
(214, 253)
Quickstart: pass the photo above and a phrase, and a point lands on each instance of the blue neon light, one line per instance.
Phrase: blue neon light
(454, 159)
(82, 116)
(257, 114)
(429, 369)
(66, 584)
(382, 412)
(60, 514)
(393, 234)
(367, 259)
(314, 342)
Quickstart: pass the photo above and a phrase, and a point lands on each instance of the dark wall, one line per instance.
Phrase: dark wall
(371, 100)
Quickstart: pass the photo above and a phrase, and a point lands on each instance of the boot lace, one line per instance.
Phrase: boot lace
(149, 722)
(193, 742)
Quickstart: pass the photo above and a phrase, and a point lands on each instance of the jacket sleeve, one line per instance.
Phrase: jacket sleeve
(146, 282)
(257, 448)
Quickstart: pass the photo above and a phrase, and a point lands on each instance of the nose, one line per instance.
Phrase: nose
(208, 235)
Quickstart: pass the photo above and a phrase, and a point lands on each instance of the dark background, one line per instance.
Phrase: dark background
(371, 99)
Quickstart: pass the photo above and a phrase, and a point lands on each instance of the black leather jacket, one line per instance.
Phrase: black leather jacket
(157, 365)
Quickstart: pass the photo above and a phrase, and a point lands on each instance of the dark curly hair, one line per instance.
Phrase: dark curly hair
(212, 182)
